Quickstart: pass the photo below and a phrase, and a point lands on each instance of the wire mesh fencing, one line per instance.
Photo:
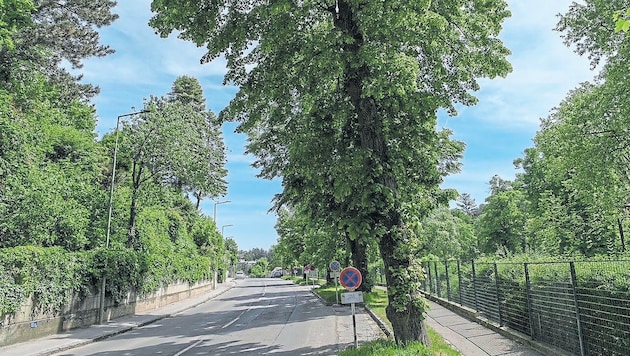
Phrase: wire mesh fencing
(582, 307)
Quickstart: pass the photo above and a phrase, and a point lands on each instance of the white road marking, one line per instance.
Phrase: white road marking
(245, 311)
(189, 347)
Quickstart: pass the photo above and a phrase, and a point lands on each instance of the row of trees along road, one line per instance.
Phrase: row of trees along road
(571, 197)
(339, 98)
(55, 175)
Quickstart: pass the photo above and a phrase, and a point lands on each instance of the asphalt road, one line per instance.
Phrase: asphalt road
(257, 317)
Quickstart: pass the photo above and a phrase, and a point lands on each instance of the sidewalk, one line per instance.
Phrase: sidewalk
(471, 338)
(77, 337)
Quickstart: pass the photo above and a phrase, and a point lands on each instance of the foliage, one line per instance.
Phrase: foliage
(377, 301)
(576, 180)
(55, 177)
(254, 254)
(208, 239)
(55, 31)
(622, 20)
(52, 276)
(14, 15)
(589, 28)
(261, 268)
(205, 170)
(49, 170)
(448, 234)
(49, 275)
(501, 224)
(388, 347)
(340, 102)
(170, 252)
(171, 145)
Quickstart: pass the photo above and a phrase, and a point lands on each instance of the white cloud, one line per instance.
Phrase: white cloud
(544, 70)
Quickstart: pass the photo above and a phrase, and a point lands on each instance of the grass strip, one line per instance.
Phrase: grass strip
(377, 301)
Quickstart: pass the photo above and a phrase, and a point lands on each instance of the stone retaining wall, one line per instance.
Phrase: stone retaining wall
(26, 324)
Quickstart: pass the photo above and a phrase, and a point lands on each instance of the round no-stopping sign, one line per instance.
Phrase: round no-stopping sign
(350, 278)
(335, 266)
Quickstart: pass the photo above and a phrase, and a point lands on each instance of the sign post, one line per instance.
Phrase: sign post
(334, 267)
(350, 278)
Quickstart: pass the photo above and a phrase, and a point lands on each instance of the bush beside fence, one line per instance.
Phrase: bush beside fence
(582, 307)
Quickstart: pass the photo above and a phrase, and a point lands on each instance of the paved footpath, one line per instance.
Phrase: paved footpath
(471, 338)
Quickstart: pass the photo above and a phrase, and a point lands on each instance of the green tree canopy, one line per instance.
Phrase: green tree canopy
(340, 100)
(55, 31)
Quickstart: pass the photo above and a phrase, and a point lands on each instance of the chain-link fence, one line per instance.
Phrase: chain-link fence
(581, 307)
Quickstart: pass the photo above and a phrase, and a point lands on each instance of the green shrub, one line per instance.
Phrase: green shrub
(50, 275)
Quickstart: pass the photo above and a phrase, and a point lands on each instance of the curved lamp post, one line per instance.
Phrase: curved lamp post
(214, 216)
(223, 227)
(109, 215)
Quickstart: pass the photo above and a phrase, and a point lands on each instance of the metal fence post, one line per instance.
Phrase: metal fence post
(577, 307)
(474, 280)
(496, 287)
(448, 282)
(424, 278)
(528, 295)
(430, 279)
(437, 279)
(459, 281)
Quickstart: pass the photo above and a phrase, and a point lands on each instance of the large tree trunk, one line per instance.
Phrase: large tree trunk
(406, 304)
(402, 282)
(358, 251)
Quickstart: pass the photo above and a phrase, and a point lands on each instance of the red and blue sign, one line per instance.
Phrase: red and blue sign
(350, 278)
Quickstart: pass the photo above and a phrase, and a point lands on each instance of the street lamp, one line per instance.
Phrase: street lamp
(223, 227)
(214, 217)
(109, 215)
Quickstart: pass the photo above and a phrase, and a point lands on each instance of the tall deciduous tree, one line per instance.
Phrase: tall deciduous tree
(207, 178)
(341, 97)
(56, 31)
(172, 143)
(501, 224)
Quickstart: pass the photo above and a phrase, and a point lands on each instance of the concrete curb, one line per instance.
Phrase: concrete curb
(381, 324)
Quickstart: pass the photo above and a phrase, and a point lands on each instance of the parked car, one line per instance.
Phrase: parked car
(240, 275)
(276, 274)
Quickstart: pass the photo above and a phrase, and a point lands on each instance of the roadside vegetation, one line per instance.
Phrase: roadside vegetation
(70, 213)
(350, 129)
(377, 301)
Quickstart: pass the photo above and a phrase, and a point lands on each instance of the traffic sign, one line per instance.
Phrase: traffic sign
(335, 266)
(350, 278)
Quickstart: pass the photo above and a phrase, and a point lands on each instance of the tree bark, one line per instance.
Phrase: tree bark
(360, 261)
(406, 304)
(408, 323)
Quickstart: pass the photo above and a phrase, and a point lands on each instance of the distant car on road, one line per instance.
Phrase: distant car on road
(240, 275)
(276, 274)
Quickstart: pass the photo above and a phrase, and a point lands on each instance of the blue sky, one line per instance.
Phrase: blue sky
(496, 131)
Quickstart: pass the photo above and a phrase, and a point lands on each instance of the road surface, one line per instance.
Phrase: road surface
(258, 316)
